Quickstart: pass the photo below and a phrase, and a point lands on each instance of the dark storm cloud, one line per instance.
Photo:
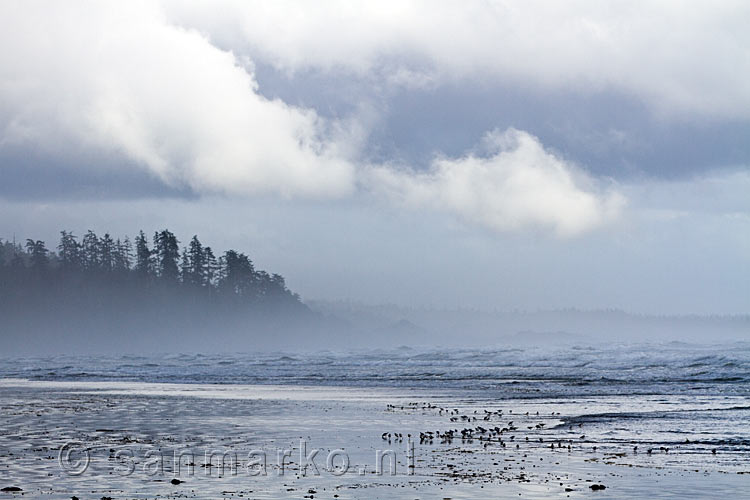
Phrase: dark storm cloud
(607, 133)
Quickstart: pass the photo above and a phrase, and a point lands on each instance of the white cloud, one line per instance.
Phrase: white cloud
(519, 185)
(117, 77)
(676, 57)
(122, 78)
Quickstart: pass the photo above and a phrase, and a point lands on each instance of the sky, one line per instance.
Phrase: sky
(479, 154)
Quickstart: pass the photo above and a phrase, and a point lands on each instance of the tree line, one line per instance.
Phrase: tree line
(159, 263)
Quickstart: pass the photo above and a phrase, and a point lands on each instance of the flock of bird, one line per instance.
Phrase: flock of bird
(487, 435)
(502, 436)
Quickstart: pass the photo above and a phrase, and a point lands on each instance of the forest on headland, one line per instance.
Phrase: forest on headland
(102, 287)
(120, 262)
(95, 294)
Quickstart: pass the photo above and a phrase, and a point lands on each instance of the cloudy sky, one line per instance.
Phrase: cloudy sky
(488, 154)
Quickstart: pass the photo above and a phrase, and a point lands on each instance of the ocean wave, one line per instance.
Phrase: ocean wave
(621, 369)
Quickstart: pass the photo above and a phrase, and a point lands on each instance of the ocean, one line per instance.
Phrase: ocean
(645, 419)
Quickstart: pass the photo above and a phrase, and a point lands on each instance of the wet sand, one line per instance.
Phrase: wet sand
(532, 448)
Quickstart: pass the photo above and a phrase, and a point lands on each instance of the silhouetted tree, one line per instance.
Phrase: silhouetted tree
(144, 263)
(167, 251)
(37, 255)
(69, 252)
(237, 274)
(90, 251)
(211, 266)
(196, 272)
(185, 267)
(107, 253)
(123, 257)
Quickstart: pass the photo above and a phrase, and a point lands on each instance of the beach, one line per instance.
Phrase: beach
(151, 439)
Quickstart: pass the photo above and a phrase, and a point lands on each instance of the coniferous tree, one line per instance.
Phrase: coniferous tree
(211, 266)
(127, 253)
(90, 251)
(237, 274)
(69, 252)
(185, 267)
(167, 251)
(197, 274)
(38, 255)
(107, 253)
(123, 256)
(144, 258)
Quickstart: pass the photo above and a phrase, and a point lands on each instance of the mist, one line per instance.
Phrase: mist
(356, 153)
